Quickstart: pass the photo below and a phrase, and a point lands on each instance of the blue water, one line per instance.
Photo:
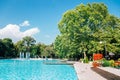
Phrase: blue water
(34, 70)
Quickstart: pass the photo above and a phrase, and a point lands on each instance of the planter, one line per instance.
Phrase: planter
(95, 64)
(117, 63)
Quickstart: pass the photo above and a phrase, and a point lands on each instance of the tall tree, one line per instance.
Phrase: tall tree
(82, 29)
(2, 48)
(20, 47)
(28, 42)
(35, 50)
(9, 48)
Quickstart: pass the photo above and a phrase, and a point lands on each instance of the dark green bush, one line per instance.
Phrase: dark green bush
(106, 63)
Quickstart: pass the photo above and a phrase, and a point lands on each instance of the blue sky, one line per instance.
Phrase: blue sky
(39, 18)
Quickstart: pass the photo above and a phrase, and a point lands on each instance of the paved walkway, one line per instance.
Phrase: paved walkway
(111, 70)
(106, 74)
(84, 72)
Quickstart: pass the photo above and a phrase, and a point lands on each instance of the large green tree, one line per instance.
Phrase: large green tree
(27, 44)
(28, 41)
(35, 50)
(84, 27)
(7, 48)
(2, 48)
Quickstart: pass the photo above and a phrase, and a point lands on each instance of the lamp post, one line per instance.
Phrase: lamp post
(104, 48)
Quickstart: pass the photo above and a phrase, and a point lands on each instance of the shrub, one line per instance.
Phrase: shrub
(103, 59)
(81, 60)
(106, 63)
(86, 60)
(118, 59)
(112, 63)
(95, 64)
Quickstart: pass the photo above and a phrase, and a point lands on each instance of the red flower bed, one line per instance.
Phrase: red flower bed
(97, 56)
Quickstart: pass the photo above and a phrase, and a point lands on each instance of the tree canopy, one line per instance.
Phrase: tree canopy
(8, 49)
(84, 27)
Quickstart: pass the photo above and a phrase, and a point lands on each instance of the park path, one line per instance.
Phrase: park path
(84, 72)
(107, 74)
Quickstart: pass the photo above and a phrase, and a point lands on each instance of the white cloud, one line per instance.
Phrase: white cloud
(13, 31)
(47, 36)
(25, 23)
(31, 31)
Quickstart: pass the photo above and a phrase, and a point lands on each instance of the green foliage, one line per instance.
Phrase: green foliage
(20, 46)
(112, 62)
(83, 27)
(35, 51)
(106, 63)
(47, 50)
(10, 50)
(2, 48)
(7, 48)
(118, 59)
(81, 60)
(28, 42)
(86, 60)
(103, 59)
